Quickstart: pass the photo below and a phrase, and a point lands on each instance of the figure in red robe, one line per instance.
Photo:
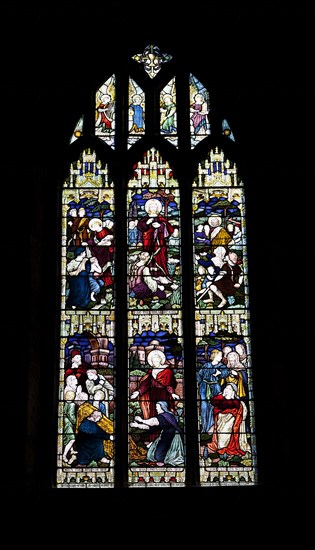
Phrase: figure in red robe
(101, 244)
(158, 384)
(229, 435)
(155, 231)
(78, 367)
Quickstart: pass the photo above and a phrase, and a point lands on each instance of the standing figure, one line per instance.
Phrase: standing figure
(159, 383)
(155, 233)
(133, 232)
(209, 377)
(199, 114)
(137, 114)
(69, 421)
(168, 110)
(78, 270)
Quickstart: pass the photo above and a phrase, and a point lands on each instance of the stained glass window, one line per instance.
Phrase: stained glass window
(156, 381)
(154, 206)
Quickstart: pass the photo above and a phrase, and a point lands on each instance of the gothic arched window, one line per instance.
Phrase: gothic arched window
(155, 372)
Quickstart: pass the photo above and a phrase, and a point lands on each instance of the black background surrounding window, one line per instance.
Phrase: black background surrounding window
(255, 54)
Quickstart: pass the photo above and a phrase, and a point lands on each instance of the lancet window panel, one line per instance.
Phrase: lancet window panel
(87, 380)
(168, 112)
(105, 112)
(156, 380)
(136, 112)
(199, 111)
(227, 449)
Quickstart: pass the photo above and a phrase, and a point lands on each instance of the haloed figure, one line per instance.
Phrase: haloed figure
(156, 230)
(157, 384)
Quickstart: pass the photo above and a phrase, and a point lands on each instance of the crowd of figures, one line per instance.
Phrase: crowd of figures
(88, 413)
(160, 409)
(222, 375)
(90, 254)
(88, 430)
(157, 423)
(218, 263)
(153, 256)
(223, 392)
(156, 435)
